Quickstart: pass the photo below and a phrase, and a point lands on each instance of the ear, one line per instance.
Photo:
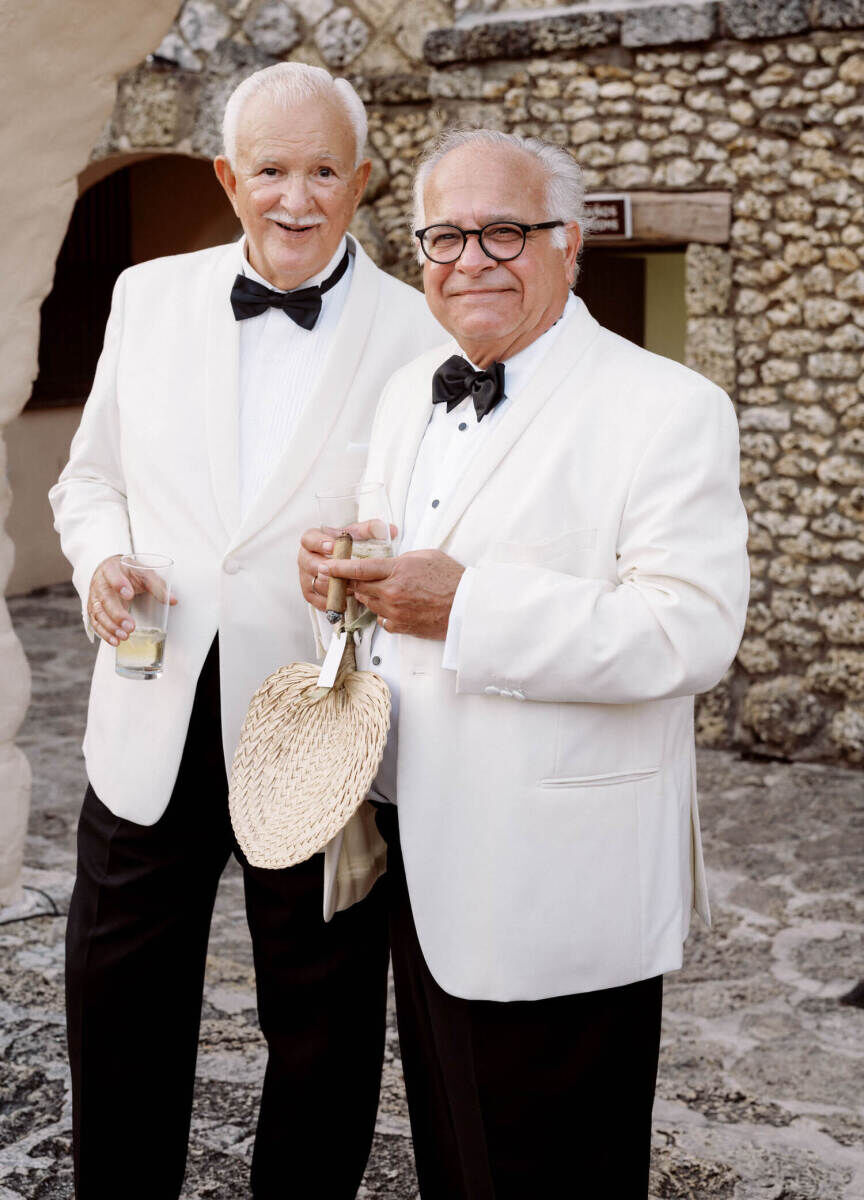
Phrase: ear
(571, 251)
(228, 179)
(361, 178)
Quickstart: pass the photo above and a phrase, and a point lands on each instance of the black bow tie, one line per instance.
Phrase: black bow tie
(455, 379)
(249, 298)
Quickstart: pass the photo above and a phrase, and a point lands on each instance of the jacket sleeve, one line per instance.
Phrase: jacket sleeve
(671, 623)
(89, 499)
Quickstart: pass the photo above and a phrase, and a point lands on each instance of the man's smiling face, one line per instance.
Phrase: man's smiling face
(496, 309)
(294, 185)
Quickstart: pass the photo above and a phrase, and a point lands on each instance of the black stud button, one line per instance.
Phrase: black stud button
(435, 503)
(463, 425)
(376, 661)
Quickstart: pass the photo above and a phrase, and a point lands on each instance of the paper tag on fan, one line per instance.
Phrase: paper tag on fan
(332, 659)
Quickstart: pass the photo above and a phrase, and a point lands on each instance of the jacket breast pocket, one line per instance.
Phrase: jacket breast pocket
(557, 551)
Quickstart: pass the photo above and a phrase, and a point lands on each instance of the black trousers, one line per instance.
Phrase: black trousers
(136, 946)
(509, 1101)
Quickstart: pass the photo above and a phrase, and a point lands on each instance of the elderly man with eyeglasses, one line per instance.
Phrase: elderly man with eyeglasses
(572, 569)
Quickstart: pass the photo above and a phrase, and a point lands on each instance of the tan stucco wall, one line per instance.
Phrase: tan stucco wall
(59, 65)
(37, 446)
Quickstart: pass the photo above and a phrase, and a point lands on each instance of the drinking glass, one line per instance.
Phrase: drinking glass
(141, 655)
(363, 511)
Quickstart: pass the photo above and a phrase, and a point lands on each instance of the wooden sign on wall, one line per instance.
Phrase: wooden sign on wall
(660, 218)
(611, 215)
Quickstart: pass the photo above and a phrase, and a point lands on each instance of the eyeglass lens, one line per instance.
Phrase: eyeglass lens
(445, 243)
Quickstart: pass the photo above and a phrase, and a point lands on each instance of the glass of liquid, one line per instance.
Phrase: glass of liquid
(141, 655)
(363, 511)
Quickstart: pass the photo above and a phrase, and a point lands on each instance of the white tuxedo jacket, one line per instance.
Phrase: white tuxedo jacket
(546, 790)
(154, 467)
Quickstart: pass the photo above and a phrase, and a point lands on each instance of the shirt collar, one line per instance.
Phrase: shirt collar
(249, 271)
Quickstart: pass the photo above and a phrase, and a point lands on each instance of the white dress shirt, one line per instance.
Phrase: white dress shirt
(449, 444)
(280, 364)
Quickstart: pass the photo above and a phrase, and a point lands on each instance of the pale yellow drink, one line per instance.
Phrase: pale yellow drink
(140, 655)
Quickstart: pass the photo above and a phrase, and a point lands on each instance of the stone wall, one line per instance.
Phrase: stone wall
(777, 317)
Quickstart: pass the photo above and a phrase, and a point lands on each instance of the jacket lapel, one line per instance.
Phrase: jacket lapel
(221, 384)
(555, 368)
(327, 401)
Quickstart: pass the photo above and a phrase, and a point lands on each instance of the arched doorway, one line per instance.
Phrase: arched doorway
(130, 209)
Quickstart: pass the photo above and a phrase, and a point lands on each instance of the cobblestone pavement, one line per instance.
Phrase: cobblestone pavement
(760, 1094)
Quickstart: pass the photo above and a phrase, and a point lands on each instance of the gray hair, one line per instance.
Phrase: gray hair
(289, 83)
(565, 190)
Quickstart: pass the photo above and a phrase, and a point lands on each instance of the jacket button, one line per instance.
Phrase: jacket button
(491, 691)
(518, 695)
(231, 566)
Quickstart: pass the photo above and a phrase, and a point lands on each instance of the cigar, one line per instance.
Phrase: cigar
(337, 591)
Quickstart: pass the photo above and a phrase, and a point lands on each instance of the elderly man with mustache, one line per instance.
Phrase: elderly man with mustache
(572, 569)
(233, 383)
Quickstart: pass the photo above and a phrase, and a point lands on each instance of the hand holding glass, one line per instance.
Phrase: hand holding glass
(363, 511)
(141, 655)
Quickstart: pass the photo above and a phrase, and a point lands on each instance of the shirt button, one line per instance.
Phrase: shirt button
(435, 503)
(463, 425)
(376, 661)
(231, 566)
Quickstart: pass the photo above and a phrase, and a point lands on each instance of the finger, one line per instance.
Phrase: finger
(103, 632)
(317, 541)
(367, 569)
(112, 610)
(390, 626)
(116, 578)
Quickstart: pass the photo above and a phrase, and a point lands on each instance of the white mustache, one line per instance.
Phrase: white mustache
(277, 214)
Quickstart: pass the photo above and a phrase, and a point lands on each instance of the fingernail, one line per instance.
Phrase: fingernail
(128, 626)
(326, 547)
(324, 570)
(126, 593)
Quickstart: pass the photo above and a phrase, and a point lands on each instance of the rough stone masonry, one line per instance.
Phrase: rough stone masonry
(760, 99)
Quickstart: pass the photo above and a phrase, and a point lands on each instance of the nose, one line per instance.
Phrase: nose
(473, 258)
(295, 193)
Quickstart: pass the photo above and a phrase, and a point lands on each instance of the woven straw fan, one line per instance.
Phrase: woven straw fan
(308, 754)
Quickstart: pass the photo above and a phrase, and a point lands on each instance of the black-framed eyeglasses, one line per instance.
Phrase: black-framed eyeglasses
(500, 240)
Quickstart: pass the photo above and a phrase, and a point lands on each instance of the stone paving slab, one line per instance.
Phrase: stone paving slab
(761, 1089)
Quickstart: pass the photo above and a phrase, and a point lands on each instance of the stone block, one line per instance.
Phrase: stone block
(764, 18)
(669, 23)
(172, 49)
(273, 28)
(203, 25)
(757, 657)
(844, 623)
(838, 14)
(147, 111)
(782, 712)
(341, 36)
(711, 349)
(847, 732)
(500, 36)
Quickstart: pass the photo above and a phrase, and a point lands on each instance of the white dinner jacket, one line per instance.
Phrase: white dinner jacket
(546, 789)
(154, 468)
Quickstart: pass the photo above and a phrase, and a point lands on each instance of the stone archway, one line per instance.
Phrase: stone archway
(63, 89)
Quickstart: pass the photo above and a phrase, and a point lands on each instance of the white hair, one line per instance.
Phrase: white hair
(565, 190)
(289, 83)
